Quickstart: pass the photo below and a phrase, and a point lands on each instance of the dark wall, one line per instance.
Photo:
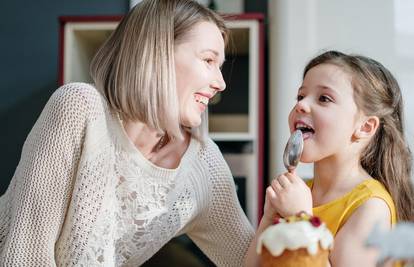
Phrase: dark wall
(29, 64)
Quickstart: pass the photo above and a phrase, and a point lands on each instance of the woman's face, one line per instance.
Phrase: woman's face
(198, 75)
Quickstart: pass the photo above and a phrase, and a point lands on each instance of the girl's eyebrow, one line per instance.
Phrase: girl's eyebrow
(322, 87)
(327, 88)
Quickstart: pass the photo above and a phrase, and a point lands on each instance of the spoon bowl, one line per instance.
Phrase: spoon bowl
(293, 151)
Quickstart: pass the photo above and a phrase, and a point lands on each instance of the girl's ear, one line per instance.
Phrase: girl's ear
(367, 128)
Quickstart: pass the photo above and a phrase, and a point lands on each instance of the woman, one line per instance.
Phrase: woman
(112, 171)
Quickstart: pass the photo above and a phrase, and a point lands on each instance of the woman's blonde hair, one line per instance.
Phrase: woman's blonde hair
(387, 157)
(134, 69)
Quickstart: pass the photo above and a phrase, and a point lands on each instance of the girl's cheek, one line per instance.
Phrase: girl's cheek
(290, 120)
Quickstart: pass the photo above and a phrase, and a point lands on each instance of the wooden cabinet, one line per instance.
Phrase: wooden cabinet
(236, 119)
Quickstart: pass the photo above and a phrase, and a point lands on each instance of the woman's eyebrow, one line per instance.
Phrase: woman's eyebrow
(216, 53)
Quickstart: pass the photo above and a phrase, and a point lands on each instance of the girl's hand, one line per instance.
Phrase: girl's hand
(287, 195)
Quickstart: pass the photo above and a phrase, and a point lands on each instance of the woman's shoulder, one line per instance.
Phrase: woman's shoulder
(78, 97)
(211, 156)
(79, 92)
(209, 149)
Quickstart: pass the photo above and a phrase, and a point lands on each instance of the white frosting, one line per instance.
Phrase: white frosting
(295, 235)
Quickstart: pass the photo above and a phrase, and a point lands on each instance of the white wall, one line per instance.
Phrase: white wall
(301, 29)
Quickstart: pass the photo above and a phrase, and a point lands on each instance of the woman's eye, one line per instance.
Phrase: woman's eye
(299, 97)
(324, 98)
(209, 60)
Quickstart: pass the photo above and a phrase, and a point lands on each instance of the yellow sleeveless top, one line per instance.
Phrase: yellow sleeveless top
(337, 212)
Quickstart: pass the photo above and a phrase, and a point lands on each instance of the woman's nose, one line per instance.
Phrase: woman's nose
(219, 84)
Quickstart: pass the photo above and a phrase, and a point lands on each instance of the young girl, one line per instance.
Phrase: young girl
(349, 109)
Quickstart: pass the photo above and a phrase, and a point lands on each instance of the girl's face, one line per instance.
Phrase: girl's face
(325, 112)
(197, 67)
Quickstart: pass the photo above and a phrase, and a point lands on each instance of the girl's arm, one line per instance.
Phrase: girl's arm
(349, 245)
(269, 214)
(252, 258)
(287, 195)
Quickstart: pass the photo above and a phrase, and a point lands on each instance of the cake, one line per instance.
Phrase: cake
(300, 240)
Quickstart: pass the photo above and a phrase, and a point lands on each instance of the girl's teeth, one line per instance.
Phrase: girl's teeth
(300, 125)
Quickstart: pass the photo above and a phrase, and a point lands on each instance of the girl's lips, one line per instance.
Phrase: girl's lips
(306, 128)
(301, 124)
(307, 135)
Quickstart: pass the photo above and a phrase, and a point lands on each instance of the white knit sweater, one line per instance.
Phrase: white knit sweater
(83, 195)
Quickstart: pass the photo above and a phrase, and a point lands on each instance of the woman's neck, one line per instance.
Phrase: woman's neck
(162, 150)
(145, 139)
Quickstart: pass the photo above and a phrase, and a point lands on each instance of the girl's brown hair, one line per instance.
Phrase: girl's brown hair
(387, 157)
(134, 69)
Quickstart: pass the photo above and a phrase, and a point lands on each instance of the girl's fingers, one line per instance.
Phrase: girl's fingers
(270, 193)
(278, 187)
(293, 178)
(283, 181)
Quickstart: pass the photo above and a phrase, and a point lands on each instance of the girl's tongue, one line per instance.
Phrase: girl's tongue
(307, 131)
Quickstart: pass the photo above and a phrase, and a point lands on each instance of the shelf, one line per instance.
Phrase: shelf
(231, 136)
(82, 40)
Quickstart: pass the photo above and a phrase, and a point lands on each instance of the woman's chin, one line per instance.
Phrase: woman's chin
(191, 123)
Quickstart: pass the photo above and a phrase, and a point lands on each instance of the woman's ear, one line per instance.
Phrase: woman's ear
(367, 128)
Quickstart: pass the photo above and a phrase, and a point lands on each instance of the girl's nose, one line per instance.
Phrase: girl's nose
(302, 106)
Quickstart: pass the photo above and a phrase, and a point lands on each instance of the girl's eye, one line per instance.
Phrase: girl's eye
(299, 97)
(325, 99)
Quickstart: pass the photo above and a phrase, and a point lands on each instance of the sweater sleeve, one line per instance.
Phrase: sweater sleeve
(223, 231)
(39, 192)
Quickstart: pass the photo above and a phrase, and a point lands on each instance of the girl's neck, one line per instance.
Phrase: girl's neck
(333, 178)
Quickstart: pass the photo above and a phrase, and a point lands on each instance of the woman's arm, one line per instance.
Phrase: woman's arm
(41, 187)
(349, 245)
(222, 230)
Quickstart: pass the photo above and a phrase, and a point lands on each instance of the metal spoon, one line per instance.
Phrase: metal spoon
(293, 151)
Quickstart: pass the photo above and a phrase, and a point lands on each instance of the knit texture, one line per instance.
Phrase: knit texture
(83, 195)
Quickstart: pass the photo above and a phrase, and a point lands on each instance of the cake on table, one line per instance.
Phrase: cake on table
(300, 240)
